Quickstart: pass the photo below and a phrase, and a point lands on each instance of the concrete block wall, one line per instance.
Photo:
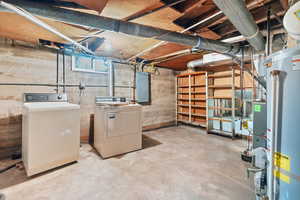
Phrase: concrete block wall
(23, 63)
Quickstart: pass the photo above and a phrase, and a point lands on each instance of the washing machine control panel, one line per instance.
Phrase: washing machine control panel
(45, 97)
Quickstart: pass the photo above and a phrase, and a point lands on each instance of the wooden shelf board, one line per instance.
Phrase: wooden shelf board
(197, 106)
(198, 115)
(182, 75)
(221, 87)
(191, 92)
(186, 86)
(192, 74)
(193, 106)
(198, 99)
(219, 119)
(183, 86)
(193, 123)
(180, 99)
(220, 108)
(219, 97)
(222, 75)
(183, 105)
(182, 113)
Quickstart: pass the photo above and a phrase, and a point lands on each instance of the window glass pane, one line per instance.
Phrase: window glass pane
(83, 63)
(101, 65)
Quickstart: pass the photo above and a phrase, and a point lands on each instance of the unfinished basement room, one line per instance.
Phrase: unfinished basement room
(149, 100)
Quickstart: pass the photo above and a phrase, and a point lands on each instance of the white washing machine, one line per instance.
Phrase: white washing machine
(117, 128)
(50, 132)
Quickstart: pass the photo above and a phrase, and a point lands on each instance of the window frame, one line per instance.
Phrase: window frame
(93, 67)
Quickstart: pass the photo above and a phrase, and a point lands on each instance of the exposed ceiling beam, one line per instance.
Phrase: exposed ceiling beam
(129, 28)
(276, 29)
(191, 16)
(91, 4)
(284, 4)
(151, 9)
(142, 13)
(199, 4)
(182, 7)
(241, 18)
(259, 16)
(161, 43)
(251, 5)
(66, 4)
(42, 24)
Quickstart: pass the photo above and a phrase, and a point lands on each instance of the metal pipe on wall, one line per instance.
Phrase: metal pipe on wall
(242, 87)
(64, 72)
(268, 49)
(52, 85)
(57, 71)
(111, 80)
(134, 84)
(274, 128)
(60, 85)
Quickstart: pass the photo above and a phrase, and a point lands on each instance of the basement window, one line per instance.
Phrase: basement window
(91, 64)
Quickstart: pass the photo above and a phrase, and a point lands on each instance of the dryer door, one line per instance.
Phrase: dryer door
(125, 122)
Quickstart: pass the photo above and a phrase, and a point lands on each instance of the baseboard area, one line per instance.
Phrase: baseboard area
(159, 125)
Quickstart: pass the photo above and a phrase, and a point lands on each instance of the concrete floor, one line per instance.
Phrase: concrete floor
(177, 163)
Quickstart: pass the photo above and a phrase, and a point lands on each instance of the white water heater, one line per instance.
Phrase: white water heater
(291, 21)
(283, 143)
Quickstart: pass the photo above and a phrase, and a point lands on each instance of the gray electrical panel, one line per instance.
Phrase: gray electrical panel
(143, 90)
(259, 124)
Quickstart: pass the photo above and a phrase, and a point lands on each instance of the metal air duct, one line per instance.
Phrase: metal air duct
(129, 28)
(241, 18)
(224, 61)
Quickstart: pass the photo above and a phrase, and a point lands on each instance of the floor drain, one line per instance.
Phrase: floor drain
(2, 197)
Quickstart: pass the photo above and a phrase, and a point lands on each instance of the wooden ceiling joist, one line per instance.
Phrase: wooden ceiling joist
(174, 18)
(259, 15)
(182, 7)
(91, 4)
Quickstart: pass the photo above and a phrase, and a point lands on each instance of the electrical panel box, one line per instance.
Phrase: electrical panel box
(143, 90)
(259, 124)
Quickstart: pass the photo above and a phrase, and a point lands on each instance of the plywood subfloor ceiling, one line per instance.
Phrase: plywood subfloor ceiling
(175, 18)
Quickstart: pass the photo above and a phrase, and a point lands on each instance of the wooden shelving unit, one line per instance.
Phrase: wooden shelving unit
(191, 99)
(221, 102)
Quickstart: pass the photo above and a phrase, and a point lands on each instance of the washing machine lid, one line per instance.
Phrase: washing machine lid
(49, 106)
